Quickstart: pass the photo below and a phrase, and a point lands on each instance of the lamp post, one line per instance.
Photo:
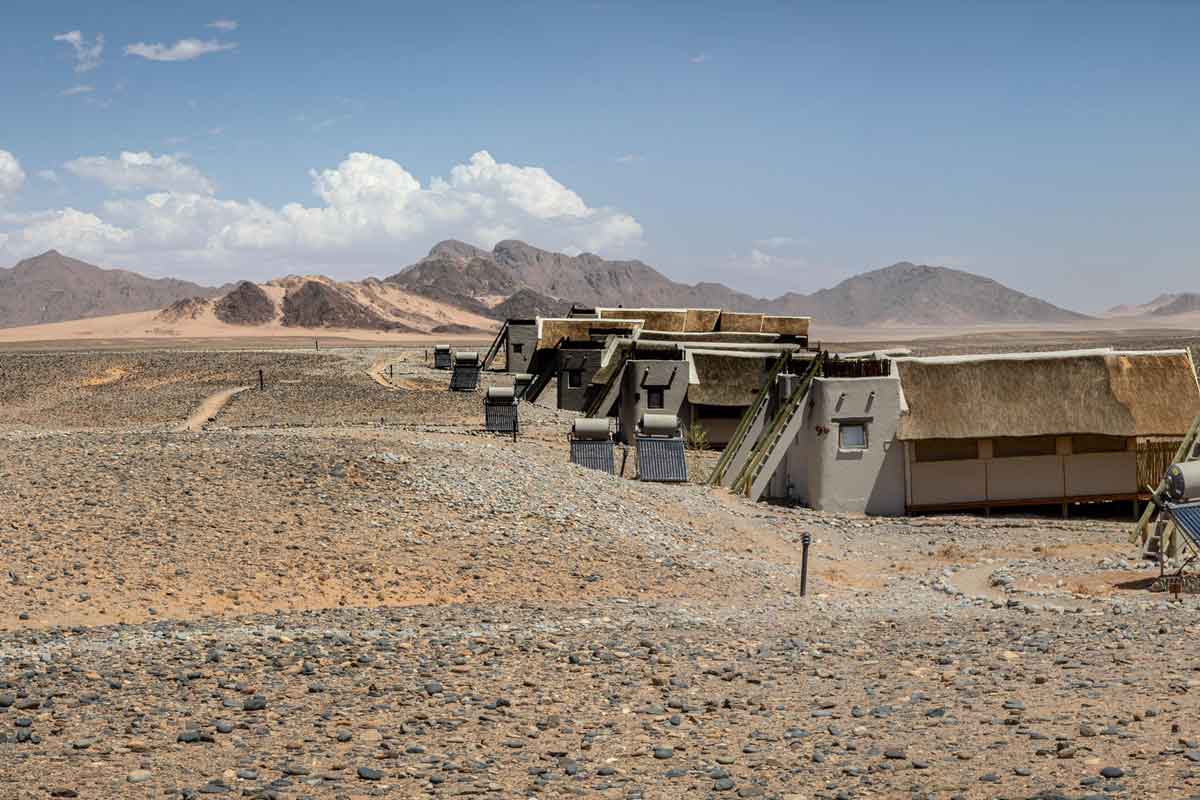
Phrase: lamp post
(805, 541)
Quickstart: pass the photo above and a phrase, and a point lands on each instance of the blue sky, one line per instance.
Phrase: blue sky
(771, 146)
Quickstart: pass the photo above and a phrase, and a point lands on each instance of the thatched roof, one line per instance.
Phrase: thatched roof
(736, 321)
(702, 320)
(726, 378)
(552, 331)
(793, 326)
(653, 319)
(1040, 394)
(708, 320)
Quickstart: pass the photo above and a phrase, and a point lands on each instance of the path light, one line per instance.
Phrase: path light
(805, 541)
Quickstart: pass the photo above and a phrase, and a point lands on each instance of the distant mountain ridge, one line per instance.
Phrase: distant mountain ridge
(462, 287)
(902, 294)
(1165, 305)
(1183, 303)
(52, 287)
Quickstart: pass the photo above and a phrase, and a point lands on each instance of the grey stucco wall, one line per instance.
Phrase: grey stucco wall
(638, 376)
(526, 336)
(588, 362)
(870, 480)
(816, 471)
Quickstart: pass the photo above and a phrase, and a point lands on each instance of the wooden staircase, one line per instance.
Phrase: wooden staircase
(494, 350)
(770, 449)
(738, 450)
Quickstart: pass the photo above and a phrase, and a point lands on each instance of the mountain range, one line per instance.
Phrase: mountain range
(904, 293)
(460, 288)
(53, 288)
(1165, 305)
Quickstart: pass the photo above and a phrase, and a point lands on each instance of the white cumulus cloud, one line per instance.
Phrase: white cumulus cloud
(12, 177)
(183, 50)
(87, 56)
(70, 231)
(142, 171)
(372, 216)
(224, 24)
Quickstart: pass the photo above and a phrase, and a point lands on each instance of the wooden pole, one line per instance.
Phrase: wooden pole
(261, 385)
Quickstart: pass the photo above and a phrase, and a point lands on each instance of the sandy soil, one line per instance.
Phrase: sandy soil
(209, 408)
(145, 326)
(343, 588)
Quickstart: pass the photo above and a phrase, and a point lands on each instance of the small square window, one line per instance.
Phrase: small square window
(574, 378)
(852, 436)
(518, 347)
(654, 398)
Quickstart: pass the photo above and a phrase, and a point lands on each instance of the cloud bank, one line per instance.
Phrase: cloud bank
(371, 215)
(142, 171)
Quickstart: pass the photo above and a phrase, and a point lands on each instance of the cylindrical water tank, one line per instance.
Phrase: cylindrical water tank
(592, 430)
(522, 377)
(660, 424)
(1183, 481)
(500, 393)
(466, 356)
(441, 348)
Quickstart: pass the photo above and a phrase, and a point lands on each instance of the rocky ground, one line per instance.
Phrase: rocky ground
(339, 587)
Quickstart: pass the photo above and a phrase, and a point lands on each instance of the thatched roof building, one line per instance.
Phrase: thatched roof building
(1113, 393)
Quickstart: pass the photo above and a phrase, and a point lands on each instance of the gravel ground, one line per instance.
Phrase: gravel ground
(299, 601)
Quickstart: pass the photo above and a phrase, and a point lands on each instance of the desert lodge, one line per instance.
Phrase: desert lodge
(876, 432)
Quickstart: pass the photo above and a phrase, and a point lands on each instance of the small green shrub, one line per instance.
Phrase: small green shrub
(695, 437)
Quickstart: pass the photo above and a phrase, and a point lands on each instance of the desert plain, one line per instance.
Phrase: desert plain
(339, 586)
